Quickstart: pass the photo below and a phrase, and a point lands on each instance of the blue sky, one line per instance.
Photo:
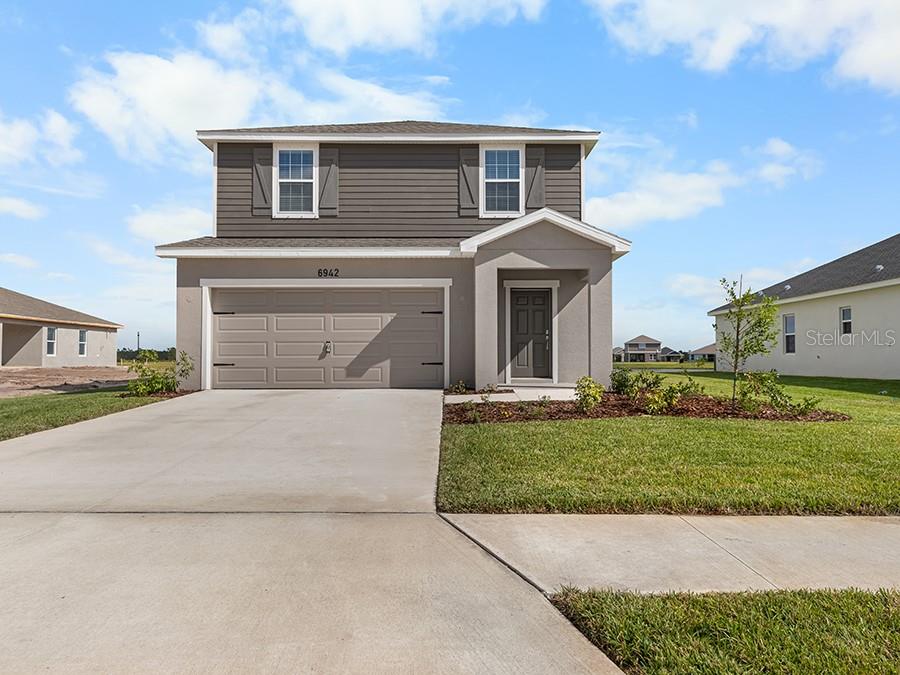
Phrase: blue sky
(757, 140)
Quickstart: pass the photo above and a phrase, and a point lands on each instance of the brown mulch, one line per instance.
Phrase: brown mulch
(162, 394)
(619, 405)
(501, 390)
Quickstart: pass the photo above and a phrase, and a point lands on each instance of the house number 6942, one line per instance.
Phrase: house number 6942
(329, 272)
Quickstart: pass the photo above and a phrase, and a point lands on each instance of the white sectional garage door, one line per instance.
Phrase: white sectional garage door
(317, 338)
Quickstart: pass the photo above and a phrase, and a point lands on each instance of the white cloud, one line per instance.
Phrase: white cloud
(708, 290)
(689, 119)
(234, 40)
(20, 208)
(528, 115)
(782, 161)
(341, 25)
(663, 195)
(150, 106)
(119, 257)
(168, 223)
(864, 35)
(51, 137)
(18, 260)
(60, 276)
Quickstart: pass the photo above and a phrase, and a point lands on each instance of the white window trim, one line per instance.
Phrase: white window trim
(546, 284)
(276, 186)
(785, 334)
(85, 343)
(48, 341)
(842, 321)
(482, 213)
(206, 315)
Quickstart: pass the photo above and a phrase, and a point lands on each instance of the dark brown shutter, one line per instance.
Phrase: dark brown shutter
(328, 181)
(534, 177)
(468, 181)
(262, 180)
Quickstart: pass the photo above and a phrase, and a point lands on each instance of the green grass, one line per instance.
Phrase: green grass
(684, 465)
(814, 632)
(666, 365)
(28, 414)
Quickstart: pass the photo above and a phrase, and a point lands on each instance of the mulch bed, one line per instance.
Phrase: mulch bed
(619, 405)
(448, 392)
(161, 394)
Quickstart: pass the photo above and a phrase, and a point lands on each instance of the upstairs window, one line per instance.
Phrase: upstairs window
(846, 321)
(295, 182)
(51, 341)
(82, 343)
(502, 184)
(790, 334)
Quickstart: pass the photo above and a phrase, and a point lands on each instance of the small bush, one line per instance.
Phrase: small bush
(588, 393)
(643, 384)
(756, 388)
(458, 387)
(619, 381)
(663, 400)
(471, 409)
(152, 380)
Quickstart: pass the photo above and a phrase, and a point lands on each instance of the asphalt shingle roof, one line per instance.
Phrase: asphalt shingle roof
(402, 127)
(13, 304)
(878, 262)
(643, 338)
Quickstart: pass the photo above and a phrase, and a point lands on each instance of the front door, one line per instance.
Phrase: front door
(529, 334)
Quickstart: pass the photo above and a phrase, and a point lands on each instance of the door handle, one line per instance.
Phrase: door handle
(327, 347)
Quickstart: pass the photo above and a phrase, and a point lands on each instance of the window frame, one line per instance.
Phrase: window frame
(793, 334)
(482, 202)
(277, 148)
(842, 320)
(48, 341)
(82, 343)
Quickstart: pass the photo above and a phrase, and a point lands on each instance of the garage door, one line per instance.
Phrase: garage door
(314, 338)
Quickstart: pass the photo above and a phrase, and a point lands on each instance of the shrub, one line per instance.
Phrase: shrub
(588, 393)
(664, 399)
(152, 379)
(643, 384)
(619, 381)
(756, 388)
(458, 387)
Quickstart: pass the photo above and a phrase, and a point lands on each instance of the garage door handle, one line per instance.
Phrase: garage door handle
(223, 364)
(433, 311)
(220, 313)
(432, 363)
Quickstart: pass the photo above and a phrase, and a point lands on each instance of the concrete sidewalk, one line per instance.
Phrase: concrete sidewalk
(657, 553)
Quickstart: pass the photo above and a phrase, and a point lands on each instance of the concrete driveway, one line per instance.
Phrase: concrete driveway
(257, 531)
(298, 451)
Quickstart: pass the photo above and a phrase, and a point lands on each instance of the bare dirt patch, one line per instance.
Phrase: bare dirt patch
(28, 381)
(618, 405)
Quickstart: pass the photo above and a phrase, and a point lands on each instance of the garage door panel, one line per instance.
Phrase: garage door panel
(379, 338)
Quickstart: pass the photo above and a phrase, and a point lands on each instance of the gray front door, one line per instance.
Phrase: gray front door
(529, 334)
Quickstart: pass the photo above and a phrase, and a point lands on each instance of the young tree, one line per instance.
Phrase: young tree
(749, 328)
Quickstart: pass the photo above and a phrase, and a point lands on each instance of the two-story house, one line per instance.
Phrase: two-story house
(642, 348)
(396, 254)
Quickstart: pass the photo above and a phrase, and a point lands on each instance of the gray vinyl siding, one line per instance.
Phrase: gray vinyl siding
(385, 191)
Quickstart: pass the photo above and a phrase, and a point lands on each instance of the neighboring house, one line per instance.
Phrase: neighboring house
(642, 348)
(396, 254)
(618, 353)
(707, 353)
(669, 354)
(841, 319)
(38, 333)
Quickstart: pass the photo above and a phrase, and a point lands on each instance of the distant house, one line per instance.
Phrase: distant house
(669, 354)
(37, 333)
(841, 319)
(707, 353)
(642, 348)
(618, 352)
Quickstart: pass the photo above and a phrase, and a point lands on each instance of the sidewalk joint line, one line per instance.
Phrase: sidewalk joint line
(742, 562)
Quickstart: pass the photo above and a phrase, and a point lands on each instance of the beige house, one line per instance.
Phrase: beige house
(841, 319)
(642, 348)
(396, 254)
(37, 333)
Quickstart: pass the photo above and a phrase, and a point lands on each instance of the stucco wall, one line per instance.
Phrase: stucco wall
(819, 344)
(21, 344)
(101, 348)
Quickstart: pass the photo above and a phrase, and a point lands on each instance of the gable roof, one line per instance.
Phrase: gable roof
(854, 269)
(15, 305)
(642, 338)
(618, 245)
(708, 349)
(403, 131)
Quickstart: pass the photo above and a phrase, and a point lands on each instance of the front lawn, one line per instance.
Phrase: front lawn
(684, 465)
(816, 632)
(665, 365)
(28, 414)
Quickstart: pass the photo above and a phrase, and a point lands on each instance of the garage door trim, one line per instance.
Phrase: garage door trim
(206, 285)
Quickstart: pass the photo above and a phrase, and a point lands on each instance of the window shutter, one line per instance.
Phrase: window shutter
(468, 181)
(262, 180)
(534, 177)
(328, 181)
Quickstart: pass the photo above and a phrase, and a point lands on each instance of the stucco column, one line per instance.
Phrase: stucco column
(1, 344)
(486, 363)
(600, 277)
